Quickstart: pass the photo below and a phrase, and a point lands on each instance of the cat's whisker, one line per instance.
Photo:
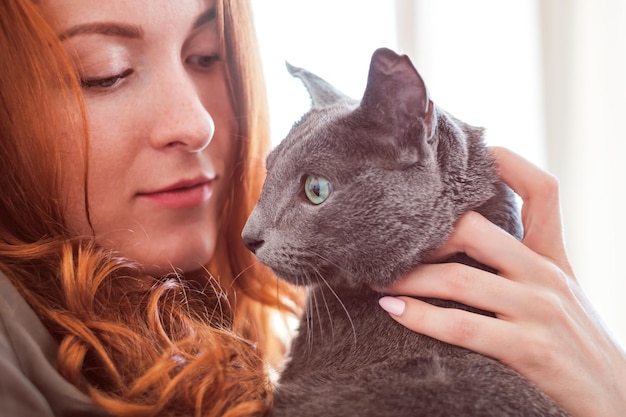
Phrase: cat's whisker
(313, 306)
(323, 258)
(309, 307)
(317, 312)
(330, 317)
(304, 321)
(343, 306)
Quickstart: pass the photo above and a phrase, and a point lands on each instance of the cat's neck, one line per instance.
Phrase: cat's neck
(469, 170)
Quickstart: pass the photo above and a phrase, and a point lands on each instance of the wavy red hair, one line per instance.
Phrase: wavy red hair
(137, 345)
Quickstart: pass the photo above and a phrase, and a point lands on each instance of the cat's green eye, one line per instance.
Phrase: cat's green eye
(317, 189)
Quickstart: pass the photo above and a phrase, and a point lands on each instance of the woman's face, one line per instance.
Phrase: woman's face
(162, 126)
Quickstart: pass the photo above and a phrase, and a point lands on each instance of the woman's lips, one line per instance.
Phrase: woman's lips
(182, 194)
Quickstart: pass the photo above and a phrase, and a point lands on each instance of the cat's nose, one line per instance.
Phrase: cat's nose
(252, 244)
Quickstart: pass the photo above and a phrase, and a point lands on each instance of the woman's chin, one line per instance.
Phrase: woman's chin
(169, 261)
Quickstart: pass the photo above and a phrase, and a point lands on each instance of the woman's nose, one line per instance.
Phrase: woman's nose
(180, 120)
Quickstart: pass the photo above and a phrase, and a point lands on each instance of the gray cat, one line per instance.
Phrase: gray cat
(357, 195)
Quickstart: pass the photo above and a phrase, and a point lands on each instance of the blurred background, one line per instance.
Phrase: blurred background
(546, 78)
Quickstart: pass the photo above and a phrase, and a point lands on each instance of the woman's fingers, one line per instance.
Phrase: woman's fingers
(541, 213)
(482, 334)
(545, 334)
(488, 244)
(484, 242)
(466, 285)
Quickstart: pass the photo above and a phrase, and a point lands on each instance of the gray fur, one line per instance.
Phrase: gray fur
(402, 172)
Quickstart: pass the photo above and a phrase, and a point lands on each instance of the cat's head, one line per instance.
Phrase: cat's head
(355, 193)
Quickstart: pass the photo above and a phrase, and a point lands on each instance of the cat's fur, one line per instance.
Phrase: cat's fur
(402, 171)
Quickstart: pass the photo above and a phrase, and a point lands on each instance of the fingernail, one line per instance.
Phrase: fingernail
(392, 305)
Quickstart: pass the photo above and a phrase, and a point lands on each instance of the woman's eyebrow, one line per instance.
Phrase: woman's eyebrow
(205, 17)
(104, 28)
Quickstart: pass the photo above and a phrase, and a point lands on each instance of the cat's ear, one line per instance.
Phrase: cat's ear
(321, 92)
(396, 92)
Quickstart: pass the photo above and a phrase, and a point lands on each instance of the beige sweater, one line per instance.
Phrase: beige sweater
(29, 382)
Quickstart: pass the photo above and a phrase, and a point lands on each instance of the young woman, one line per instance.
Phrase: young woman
(132, 136)
(131, 149)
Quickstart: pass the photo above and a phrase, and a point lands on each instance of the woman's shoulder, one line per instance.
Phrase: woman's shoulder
(30, 384)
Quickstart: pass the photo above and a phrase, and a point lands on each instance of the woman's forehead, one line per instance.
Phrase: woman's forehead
(158, 14)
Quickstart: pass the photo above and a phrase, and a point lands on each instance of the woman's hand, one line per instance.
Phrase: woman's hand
(545, 328)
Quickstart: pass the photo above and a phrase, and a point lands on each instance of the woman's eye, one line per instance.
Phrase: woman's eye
(203, 61)
(105, 82)
(317, 189)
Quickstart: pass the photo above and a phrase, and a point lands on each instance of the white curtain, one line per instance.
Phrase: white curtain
(584, 67)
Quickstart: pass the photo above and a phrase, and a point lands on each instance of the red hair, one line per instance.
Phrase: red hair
(137, 345)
